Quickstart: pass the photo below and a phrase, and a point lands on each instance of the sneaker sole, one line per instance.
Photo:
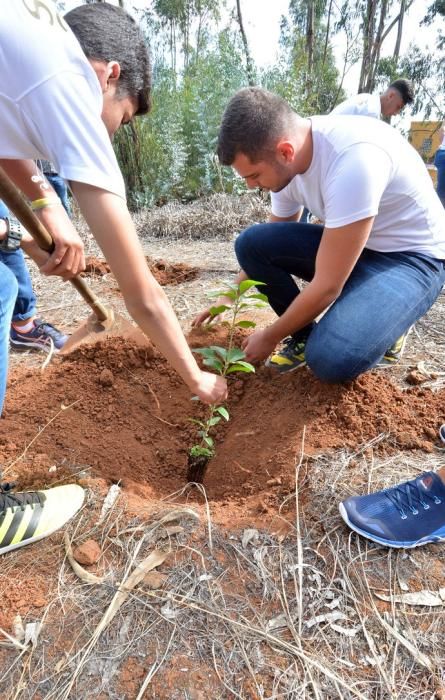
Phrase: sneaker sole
(25, 543)
(284, 371)
(429, 539)
(17, 345)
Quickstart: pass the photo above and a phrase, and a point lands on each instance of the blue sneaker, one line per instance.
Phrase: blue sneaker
(38, 338)
(408, 515)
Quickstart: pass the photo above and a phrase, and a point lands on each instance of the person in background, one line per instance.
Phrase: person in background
(57, 183)
(439, 162)
(27, 332)
(391, 102)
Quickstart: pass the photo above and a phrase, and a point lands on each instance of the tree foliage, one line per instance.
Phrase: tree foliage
(201, 55)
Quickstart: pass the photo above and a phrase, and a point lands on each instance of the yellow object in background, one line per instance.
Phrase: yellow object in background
(425, 138)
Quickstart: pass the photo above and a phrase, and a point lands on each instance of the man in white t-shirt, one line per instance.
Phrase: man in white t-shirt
(388, 104)
(66, 85)
(373, 269)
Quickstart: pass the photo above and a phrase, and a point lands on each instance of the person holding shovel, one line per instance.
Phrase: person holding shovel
(373, 269)
(64, 105)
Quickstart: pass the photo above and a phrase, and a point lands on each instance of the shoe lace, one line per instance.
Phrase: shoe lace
(11, 500)
(44, 328)
(292, 347)
(408, 496)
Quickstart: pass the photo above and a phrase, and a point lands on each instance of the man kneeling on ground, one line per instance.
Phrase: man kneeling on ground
(373, 269)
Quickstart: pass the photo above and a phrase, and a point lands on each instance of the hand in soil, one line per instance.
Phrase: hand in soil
(206, 316)
(258, 346)
(211, 388)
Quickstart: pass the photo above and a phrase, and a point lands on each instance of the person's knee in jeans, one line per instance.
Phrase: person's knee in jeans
(333, 360)
(244, 248)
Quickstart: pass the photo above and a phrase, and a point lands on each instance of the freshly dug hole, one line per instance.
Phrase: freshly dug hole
(136, 428)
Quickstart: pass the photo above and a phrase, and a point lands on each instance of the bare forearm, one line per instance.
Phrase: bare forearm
(113, 229)
(21, 173)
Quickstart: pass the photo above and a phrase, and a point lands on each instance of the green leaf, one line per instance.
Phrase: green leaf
(245, 324)
(223, 412)
(217, 310)
(214, 421)
(208, 440)
(205, 352)
(195, 398)
(241, 367)
(248, 284)
(229, 293)
(235, 354)
(260, 297)
(200, 451)
(222, 352)
(214, 363)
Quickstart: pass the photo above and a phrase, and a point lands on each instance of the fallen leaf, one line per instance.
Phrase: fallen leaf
(424, 597)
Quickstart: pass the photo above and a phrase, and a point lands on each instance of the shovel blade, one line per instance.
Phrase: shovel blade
(93, 331)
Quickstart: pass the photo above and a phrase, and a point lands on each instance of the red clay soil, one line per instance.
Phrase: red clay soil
(165, 273)
(117, 411)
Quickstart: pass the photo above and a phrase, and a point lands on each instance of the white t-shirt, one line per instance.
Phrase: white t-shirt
(362, 167)
(365, 104)
(50, 97)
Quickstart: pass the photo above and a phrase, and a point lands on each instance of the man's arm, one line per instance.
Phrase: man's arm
(67, 259)
(112, 226)
(337, 255)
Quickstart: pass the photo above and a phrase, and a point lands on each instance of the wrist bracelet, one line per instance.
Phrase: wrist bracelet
(44, 202)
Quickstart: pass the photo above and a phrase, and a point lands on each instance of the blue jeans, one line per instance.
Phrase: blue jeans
(384, 295)
(439, 162)
(8, 293)
(60, 188)
(25, 306)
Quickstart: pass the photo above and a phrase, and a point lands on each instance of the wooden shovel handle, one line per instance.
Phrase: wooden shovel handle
(21, 209)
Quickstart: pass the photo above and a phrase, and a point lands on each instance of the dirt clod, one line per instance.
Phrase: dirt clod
(87, 553)
(153, 580)
(106, 378)
(415, 377)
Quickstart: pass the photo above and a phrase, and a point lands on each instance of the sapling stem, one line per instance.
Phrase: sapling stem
(225, 361)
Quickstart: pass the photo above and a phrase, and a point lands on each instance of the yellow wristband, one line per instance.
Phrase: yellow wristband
(44, 202)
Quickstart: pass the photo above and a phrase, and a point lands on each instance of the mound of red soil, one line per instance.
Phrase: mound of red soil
(165, 273)
(119, 410)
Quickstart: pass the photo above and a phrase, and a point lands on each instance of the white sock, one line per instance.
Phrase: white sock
(25, 328)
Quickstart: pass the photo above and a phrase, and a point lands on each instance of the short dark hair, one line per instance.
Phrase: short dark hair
(405, 88)
(108, 33)
(252, 123)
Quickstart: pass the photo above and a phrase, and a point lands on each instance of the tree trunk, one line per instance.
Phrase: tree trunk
(328, 29)
(368, 38)
(396, 53)
(310, 34)
(249, 63)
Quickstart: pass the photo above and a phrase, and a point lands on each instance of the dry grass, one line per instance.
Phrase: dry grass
(241, 614)
(261, 615)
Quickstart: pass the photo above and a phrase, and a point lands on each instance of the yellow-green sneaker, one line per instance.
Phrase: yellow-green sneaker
(394, 353)
(289, 358)
(29, 516)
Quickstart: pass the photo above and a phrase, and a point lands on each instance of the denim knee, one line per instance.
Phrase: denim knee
(332, 366)
(243, 244)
